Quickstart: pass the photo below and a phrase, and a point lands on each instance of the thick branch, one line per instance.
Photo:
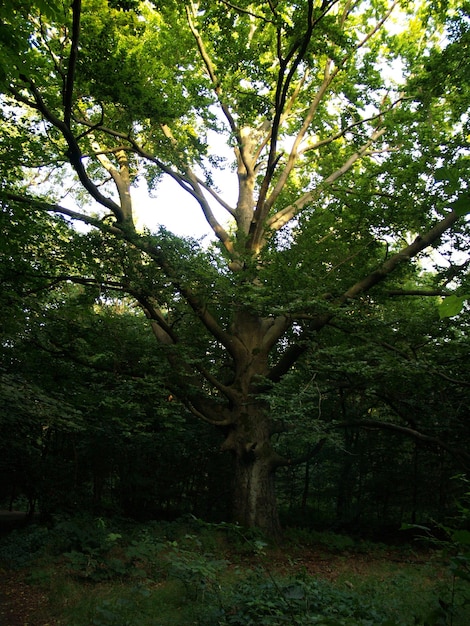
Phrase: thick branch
(74, 153)
(224, 421)
(182, 180)
(264, 204)
(317, 322)
(153, 251)
(284, 81)
(68, 90)
(218, 230)
(420, 243)
(121, 179)
(277, 327)
(297, 349)
(192, 179)
(282, 217)
(56, 208)
(291, 161)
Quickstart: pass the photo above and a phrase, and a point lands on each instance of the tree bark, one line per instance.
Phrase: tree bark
(254, 497)
(254, 503)
(248, 437)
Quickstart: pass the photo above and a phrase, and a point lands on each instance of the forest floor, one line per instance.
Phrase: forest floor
(26, 604)
(28, 599)
(22, 604)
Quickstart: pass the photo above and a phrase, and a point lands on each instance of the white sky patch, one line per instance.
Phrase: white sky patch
(169, 205)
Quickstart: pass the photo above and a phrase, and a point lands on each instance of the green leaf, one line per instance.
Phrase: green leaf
(462, 205)
(462, 537)
(452, 305)
(449, 175)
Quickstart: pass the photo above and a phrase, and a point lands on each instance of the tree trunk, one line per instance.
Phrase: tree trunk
(254, 502)
(254, 497)
(248, 438)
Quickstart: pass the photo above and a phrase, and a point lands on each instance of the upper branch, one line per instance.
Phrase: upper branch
(68, 90)
(189, 181)
(283, 216)
(284, 81)
(317, 322)
(292, 159)
(196, 192)
(211, 71)
(285, 77)
(56, 208)
(420, 243)
(74, 153)
(246, 11)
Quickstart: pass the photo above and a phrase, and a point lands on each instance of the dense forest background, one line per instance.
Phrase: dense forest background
(88, 425)
(317, 340)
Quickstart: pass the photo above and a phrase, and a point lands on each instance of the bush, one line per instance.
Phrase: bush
(22, 547)
(298, 602)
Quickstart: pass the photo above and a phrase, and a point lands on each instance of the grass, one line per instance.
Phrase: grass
(108, 573)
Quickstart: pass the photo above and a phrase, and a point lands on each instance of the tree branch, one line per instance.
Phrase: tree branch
(264, 204)
(246, 12)
(189, 182)
(56, 208)
(420, 243)
(463, 456)
(281, 218)
(211, 71)
(284, 80)
(417, 292)
(68, 90)
(317, 322)
(74, 153)
(294, 153)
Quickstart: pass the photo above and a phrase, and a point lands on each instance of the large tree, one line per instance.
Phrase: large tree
(346, 159)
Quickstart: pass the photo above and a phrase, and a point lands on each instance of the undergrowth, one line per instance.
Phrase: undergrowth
(100, 572)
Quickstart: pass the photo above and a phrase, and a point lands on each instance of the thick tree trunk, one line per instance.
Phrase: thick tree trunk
(254, 502)
(248, 438)
(254, 497)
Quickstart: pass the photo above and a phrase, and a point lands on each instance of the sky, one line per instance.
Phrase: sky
(169, 205)
(174, 208)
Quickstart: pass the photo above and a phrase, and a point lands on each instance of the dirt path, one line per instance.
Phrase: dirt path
(22, 604)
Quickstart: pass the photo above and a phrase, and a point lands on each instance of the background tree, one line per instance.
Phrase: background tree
(86, 422)
(389, 409)
(343, 177)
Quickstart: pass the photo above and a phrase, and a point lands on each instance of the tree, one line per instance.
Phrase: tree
(335, 157)
(390, 410)
(86, 423)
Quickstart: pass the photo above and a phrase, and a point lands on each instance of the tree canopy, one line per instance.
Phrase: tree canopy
(344, 128)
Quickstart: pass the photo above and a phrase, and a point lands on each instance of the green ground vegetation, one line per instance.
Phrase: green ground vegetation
(98, 572)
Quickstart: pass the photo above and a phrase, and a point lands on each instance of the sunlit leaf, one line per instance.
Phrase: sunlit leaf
(451, 305)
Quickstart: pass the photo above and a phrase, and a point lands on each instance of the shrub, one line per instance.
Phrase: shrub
(23, 546)
(300, 601)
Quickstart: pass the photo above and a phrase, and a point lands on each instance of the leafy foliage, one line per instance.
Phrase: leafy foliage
(186, 571)
(349, 160)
